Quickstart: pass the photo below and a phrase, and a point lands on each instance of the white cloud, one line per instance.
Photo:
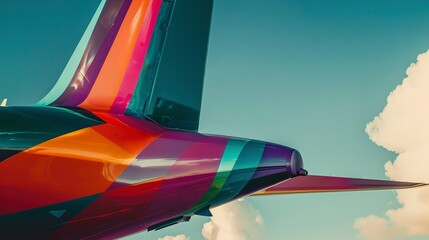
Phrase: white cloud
(237, 220)
(178, 237)
(403, 127)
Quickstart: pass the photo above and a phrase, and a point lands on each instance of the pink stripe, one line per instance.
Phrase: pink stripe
(137, 58)
(189, 178)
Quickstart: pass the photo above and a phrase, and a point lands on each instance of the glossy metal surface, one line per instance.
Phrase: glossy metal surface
(123, 174)
(95, 159)
(101, 174)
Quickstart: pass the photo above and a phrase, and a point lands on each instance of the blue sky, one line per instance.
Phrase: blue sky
(306, 74)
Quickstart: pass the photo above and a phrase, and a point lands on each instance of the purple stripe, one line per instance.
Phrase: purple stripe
(271, 170)
(273, 161)
(99, 45)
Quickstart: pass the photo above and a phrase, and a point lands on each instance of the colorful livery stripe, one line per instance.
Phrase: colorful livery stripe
(109, 67)
(137, 58)
(141, 58)
(230, 156)
(75, 61)
(117, 40)
(104, 154)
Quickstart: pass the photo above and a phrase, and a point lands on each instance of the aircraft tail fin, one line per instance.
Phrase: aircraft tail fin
(312, 184)
(144, 58)
(3, 103)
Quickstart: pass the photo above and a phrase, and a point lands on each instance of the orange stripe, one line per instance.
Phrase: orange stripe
(109, 80)
(130, 140)
(78, 164)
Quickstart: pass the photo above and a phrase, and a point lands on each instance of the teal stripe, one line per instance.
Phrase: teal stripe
(140, 101)
(229, 157)
(232, 151)
(242, 172)
(73, 63)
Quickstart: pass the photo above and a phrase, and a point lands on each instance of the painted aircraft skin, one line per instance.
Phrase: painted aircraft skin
(113, 149)
(111, 172)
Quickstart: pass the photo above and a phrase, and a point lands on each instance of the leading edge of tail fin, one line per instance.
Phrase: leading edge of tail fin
(144, 58)
(314, 184)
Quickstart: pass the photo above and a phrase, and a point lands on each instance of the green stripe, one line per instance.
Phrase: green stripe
(230, 156)
(242, 172)
(73, 63)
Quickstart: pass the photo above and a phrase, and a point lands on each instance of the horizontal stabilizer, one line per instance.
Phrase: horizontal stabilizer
(311, 184)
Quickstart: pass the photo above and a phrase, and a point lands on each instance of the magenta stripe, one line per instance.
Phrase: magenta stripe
(190, 177)
(136, 62)
(104, 34)
(154, 161)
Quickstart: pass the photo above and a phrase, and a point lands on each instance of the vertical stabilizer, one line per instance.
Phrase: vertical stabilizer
(144, 58)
